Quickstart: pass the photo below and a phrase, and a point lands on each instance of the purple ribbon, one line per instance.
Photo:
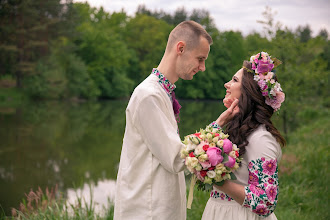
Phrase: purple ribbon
(176, 107)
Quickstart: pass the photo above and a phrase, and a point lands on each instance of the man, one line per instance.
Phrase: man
(150, 180)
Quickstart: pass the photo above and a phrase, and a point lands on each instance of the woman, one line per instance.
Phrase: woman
(254, 194)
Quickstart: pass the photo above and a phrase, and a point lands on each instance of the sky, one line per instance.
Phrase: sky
(237, 15)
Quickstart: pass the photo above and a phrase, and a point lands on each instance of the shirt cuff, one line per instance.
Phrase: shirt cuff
(215, 125)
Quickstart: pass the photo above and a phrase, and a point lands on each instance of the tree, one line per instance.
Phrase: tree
(268, 23)
(27, 28)
(304, 33)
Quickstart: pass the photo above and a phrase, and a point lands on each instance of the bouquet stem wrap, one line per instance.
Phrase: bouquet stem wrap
(191, 191)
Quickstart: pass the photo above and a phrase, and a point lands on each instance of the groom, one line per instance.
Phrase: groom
(150, 180)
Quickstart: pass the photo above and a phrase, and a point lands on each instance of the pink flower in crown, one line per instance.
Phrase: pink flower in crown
(271, 192)
(253, 179)
(264, 93)
(269, 76)
(264, 66)
(256, 190)
(262, 84)
(269, 167)
(276, 101)
(261, 210)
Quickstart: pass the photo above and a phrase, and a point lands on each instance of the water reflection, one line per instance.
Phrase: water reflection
(101, 194)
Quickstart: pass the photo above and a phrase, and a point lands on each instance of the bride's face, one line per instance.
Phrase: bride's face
(233, 88)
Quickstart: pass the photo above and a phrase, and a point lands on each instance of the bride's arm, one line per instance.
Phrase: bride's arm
(234, 190)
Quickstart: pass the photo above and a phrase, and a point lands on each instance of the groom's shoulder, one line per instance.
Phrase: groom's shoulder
(147, 86)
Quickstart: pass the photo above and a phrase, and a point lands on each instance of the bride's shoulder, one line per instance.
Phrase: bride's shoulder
(264, 143)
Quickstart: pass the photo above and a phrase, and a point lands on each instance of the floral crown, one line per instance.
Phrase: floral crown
(262, 66)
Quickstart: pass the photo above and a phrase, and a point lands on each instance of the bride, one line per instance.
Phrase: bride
(255, 192)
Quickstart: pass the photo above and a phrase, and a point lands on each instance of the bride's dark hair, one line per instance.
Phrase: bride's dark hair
(253, 111)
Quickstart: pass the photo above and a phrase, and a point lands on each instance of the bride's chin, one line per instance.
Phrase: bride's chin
(225, 102)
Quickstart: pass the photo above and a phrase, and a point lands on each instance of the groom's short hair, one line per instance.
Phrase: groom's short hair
(190, 32)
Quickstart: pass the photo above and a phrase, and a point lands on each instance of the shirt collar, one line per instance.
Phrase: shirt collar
(165, 83)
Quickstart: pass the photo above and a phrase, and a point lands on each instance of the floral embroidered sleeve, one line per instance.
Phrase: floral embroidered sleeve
(262, 192)
(215, 125)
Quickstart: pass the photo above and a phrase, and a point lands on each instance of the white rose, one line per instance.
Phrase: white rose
(198, 167)
(194, 162)
(212, 145)
(235, 148)
(203, 157)
(191, 147)
(236, 166)
(210, 173)
(184, 153)
(199, 150)
(194, 140)
(232, 154)
(215, 139)
(219, 166)
(218, 178)
(209, 136)
(220, 143)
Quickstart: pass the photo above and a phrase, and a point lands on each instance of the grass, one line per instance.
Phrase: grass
(50, 205)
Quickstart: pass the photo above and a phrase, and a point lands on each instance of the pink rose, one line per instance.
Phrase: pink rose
(199, 176)
(214, 155)
(264, 66)
(227, 146)
(275, 103)
(205, 164)
(231, 162)
(269, 75)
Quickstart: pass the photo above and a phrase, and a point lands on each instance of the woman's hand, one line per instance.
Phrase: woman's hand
(226, 116)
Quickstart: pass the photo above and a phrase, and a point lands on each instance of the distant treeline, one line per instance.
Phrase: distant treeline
(57, 50)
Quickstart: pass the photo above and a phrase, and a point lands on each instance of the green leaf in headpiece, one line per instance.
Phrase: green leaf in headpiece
(276, 62)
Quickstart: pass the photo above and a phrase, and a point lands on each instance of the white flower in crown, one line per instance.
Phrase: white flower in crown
(256, 78)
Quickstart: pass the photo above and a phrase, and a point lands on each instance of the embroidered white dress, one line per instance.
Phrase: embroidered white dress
(258, 173)
(150, 180)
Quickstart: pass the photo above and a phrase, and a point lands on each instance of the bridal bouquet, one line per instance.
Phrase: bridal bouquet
(211, 158)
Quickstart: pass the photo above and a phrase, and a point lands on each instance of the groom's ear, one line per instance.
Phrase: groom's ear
(180, 47)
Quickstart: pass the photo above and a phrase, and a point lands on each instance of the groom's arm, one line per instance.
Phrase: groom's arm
(159, 133)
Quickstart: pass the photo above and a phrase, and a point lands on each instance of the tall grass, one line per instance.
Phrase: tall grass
(51, 205)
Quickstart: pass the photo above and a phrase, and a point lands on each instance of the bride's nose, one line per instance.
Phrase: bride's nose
(227, 85)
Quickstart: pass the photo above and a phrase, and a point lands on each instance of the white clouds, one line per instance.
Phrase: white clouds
(236, 14)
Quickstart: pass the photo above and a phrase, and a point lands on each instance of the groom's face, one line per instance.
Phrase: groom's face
(193, 61)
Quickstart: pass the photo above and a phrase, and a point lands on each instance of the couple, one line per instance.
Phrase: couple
(151, 182)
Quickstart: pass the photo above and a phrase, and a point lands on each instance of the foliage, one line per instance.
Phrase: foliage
(105, 55)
